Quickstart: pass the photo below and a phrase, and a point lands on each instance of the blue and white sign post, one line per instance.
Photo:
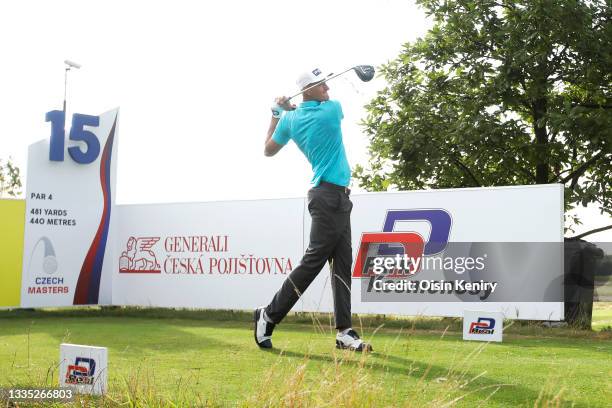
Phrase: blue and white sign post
(69, 202)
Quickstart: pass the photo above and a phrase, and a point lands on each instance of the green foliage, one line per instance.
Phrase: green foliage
(10, 180)
(499, 93)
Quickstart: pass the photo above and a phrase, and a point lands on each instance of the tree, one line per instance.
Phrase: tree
(499, 93)
(10, 179)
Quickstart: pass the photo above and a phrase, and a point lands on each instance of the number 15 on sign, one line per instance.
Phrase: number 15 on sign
(77, 133)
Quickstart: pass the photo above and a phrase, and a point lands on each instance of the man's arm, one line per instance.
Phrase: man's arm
(271, 147)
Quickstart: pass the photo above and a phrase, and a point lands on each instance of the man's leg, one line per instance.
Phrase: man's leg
(346, 338)
(340, 269)
(324, 233)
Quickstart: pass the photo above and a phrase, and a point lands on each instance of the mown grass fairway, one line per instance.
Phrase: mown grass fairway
(158, 357)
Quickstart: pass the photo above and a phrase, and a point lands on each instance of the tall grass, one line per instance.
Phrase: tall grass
(347, 382)
(338, 379)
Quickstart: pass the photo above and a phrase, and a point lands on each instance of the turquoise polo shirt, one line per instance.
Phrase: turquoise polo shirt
(315, 128)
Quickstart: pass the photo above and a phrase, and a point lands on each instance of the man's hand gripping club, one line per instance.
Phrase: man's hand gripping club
(281, 103)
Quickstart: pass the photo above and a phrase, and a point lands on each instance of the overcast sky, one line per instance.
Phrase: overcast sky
(194, 81)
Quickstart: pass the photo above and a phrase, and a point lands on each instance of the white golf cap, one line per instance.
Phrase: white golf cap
(310, 77)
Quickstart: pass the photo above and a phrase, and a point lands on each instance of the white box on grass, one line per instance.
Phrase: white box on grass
(483, 326)
(83, 368)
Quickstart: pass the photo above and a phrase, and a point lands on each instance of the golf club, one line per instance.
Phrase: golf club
(364, 72)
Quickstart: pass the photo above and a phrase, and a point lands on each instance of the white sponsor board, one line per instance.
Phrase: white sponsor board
(83, 368)
(68, 216)
(483, 326)
(235, 255)
(498, 214)
(218, 255)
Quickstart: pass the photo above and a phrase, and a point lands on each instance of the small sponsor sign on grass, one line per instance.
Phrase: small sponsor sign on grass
(84, 368)
(483, 326)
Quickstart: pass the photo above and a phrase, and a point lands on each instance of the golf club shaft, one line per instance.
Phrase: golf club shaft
(312, 86)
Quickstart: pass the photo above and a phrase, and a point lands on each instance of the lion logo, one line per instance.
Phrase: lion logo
(138, 256)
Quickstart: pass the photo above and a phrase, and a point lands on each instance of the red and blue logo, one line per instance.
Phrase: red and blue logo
(392, 242)
(82, 371)
(484, 325)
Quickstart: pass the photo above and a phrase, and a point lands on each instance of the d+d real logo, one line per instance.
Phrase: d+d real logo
(82, 372)
(409, 244)
(484, 325)
(138, 256)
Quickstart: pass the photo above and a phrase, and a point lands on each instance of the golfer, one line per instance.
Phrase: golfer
(315, 128)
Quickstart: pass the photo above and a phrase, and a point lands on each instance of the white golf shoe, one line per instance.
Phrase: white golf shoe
(349, 340)
(263, 329)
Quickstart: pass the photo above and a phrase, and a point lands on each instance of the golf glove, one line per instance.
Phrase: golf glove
(277, 111)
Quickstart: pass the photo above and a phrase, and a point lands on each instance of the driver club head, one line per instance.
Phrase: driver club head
(364, 72)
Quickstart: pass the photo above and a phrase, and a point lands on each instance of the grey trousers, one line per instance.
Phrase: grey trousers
(330, 240)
